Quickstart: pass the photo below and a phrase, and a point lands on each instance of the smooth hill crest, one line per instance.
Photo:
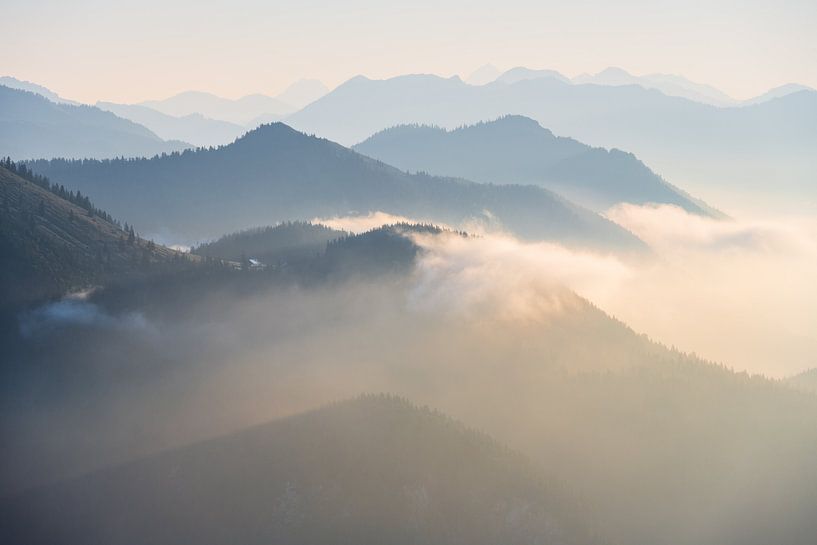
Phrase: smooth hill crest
(517, 149)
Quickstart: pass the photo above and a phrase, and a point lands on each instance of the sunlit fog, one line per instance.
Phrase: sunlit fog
(437, 274)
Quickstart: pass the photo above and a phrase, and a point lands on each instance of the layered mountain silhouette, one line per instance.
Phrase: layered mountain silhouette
(302, 92)
(520, 73)
(779, 92)
(248, 111)
(31, 87)
(276, 173)
(31, 126)
(369, 471)
(240, 111)
(669, 84)
(193, 128)
(706, 148)
(515, 149)
(482, 75)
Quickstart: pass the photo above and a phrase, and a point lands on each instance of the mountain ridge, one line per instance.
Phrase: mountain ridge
(33, 127)
(277, 173)
(516, 149)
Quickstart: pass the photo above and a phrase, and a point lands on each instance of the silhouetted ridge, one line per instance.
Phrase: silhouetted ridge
(31, 126)
(516, 149)
(275, 173)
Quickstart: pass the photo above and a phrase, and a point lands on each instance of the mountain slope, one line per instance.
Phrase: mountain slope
(709, 150)
(50, 243)
(276, 173)
(32, 126)
(303, 92)
(15, 83)
(778, 92)
(193, 128)
(373, 470)
(515, 149)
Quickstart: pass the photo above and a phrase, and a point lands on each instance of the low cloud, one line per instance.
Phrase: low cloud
(499, 277)
(737, 292)
(740, 292)
(363, 222)
(75, 310)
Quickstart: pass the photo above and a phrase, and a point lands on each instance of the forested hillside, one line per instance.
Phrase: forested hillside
(286, 242)
(53, 240)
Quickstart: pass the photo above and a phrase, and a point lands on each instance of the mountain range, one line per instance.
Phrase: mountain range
(193, 128)
(275, 173)
(244, 110)
(668, 84)
(710, 150)
(515, 149)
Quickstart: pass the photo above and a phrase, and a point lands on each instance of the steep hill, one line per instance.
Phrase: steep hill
(52, 241)
(276, 174)
(31, 126)
(370, 471)
(516, 149)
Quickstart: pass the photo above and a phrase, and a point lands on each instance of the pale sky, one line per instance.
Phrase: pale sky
(91, 50)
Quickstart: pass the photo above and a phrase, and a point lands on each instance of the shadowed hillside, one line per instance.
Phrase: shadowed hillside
(52, 240)
(373, 470)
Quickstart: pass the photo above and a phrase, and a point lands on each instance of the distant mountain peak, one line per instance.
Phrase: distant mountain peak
(779, 92)
(614, 71)
(482, 75)
(23, 85)
(521, 73)
(303, 92)
(517, 120)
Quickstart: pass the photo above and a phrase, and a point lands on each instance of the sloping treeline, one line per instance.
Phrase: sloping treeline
(77, 198)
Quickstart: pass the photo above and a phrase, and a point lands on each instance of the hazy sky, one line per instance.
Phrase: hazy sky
(130, 51)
